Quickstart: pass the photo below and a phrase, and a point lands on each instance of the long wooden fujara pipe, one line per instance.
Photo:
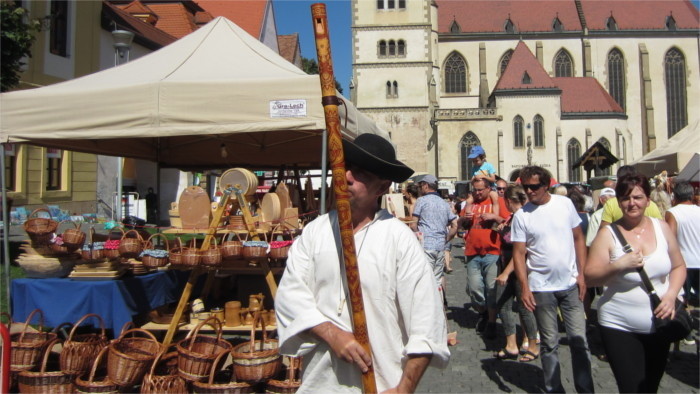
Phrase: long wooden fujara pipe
(340, 186)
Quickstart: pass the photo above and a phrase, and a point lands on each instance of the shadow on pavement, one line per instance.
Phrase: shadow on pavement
(525, 376)
(465, 317)
(683, 366)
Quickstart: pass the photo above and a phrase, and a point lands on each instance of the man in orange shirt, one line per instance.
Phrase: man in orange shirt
(482, 249)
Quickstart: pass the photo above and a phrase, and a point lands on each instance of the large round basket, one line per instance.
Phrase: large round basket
(131, 247)
(161, 379)
(96, 386)
(256, 361)
(73, 237)
(289, 385)
(231, 387)
(28, 347)
(196, 353)
(152, 257)
(79, 351)
(130, 357)
(40, 230)
(45, 382)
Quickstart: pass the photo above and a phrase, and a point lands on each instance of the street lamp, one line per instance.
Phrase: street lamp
(122, 47)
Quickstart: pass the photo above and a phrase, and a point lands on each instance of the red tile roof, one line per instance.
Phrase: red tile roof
(490, 15)
(146, 34)
(288, 45)
(523, 61)
(137, 7)
(174, 18)
(585, 95)
(248, 14)
(649, 14)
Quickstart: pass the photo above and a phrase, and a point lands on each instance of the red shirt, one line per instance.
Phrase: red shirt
(481, 239)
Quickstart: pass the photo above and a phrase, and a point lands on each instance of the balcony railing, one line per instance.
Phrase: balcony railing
(467, 114)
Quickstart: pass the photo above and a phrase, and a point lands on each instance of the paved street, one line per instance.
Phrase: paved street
(473, 369)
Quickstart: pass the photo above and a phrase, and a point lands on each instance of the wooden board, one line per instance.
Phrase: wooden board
(283, 194)
(195, 209)
(394, 204)
(271, 207)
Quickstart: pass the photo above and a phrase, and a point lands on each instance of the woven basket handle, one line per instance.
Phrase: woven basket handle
(79, 322)
(193, 334)
(126, 327)
(96, 363)
(58, 328)
(292, 371)
(138, 235)
(112, 230)
(137, 330)
(29, 320)
(257, 316)
(77, 226)
(158, 357)
(47, 352)
(218, 359)
(40, 209)
(157, 235)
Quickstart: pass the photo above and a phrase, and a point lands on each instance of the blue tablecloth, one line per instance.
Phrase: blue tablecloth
(116, 301)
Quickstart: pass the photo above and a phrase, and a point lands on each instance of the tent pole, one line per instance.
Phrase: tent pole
(324, 171)
(5, 229)
(120, 165)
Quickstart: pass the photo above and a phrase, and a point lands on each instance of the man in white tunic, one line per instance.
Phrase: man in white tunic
(405, 320)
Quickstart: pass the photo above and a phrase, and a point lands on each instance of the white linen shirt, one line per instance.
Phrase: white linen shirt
(402, 304)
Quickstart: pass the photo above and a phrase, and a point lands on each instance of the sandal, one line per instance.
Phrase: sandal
(503, 354)
(524, 347)
(529, 356)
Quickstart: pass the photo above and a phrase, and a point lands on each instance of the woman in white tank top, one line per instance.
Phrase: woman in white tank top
(637, 355)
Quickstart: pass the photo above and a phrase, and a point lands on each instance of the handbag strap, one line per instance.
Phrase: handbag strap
(646, 283)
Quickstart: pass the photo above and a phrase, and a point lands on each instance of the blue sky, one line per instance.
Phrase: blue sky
(294, 16)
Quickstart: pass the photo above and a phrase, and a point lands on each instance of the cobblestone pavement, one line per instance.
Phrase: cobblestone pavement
(472, 368)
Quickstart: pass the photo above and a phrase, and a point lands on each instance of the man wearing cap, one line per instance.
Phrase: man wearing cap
(406, 326)
(594, 222)
(436, 222)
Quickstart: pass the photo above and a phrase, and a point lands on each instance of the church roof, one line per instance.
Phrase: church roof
(649, 14)
(288, 45)
(248, 14)
(524, 72)
(585, 95)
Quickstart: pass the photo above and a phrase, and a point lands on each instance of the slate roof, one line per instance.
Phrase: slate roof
(523, 61)
(248, 14)
(288, 44)
(585, 95)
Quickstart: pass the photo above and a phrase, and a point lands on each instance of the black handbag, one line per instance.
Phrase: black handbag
(671, 330)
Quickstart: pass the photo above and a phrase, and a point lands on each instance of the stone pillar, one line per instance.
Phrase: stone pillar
(538, 52)
(557, 147)
(587, 60)
(483, 81)
(648, 132)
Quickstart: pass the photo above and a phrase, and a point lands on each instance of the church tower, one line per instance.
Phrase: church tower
(395, 74)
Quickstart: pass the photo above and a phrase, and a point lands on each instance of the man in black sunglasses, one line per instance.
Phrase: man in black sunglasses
(549, 252)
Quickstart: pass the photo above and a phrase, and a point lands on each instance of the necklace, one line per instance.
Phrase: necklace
(639, 234)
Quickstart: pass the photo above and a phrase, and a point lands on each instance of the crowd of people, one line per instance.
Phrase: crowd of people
(534, 254)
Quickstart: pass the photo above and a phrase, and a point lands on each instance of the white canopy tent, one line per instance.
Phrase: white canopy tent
(673, 155)
(178, 105)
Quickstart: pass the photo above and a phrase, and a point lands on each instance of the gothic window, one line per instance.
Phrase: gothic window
(465, 145)
(392, 48)
(382, 48)
(573, 151)
(401, 48)
(526, 78)
(671, 23)
(504, 61)
(509, 27)
(616, 76)
(563, 65)
(611, 24)
(539, 131)
(604, 141)
(454, 27)
(395, 87)
(455, 74)
(557, 26)
(518, 132)
(676, 104)
(388, 89)
(58, 37)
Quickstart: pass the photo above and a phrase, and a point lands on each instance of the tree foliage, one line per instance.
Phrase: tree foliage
(17, 36)
(310, 66)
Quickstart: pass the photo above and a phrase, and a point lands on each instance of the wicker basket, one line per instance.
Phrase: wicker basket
(111, 246)
(40, 230)
(131, 247)
(231, 249)
(79, 351)
(73, 237)
(231, 387)
(289, 385)
(28, 347)
(93, 251)
(91, 385)
(175, 254)
(211, 257)
(255, 250)
(165, 380)
(45, 382)
(149, 259)
(190, 256)
(196, 353)
(257, 361)
(130, 357)
(59, 248)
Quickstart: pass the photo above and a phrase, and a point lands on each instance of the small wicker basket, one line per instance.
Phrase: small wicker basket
(196, 353)
(161, 379)
(131, 247)
(190, 256)
(152, 257)
(93, 251)
(211, 257)
(28, 347)
(40, 230)
(258, 360)
(130, 357)
(289, 385)
(79, 351)
(45, 382)
(175, 254)
(231, 387)
(96, 386)
(231, 249)
(73, 237)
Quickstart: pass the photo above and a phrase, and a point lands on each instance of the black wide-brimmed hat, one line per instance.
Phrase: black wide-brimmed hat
(376, 155)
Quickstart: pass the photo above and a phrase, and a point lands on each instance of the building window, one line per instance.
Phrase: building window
(505, 59)
(557, 26)
(573, 151)
(392, 48)
(395, 85)
(518, 132)
(454, 27)
(526, 78)
(539, 131)
(509, 26)
(455, 74)
(616, 76)
(391, 4)
(611, 24)
(388, 89)
(671, 23)
(604, 141)
(465, 145)
(676, 104)
(563, 65)
(401, 48)
(380, 4)
(382, 48)
(402, 4)
(11, 167)
(54, 167)
(58, 41)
